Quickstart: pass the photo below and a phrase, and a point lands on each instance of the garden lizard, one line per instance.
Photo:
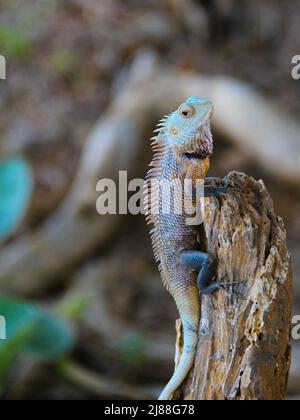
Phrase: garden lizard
(182, 145)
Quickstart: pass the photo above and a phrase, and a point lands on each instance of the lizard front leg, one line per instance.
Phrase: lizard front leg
(212, 191)
(218, 190)
(200, 260)
(215, 190)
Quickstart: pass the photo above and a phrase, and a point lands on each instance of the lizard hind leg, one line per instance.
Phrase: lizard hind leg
(206, 263)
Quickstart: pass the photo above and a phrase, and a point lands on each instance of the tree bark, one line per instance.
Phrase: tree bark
(244, 344)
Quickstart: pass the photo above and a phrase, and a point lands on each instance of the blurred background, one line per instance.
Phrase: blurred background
(86, 82)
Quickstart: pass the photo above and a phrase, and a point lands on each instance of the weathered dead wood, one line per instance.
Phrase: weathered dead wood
(244, 345)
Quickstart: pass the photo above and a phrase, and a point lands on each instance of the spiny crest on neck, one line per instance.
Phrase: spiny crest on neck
(152, 190)
(159, 147)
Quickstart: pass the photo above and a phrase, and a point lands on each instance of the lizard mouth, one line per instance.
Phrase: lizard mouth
(196, 155)
(202, 144)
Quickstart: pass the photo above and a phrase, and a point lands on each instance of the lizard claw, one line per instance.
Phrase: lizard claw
(226, 187)
(223, 285)
(232, 189)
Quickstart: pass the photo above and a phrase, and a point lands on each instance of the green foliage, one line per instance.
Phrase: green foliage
(16, 183)
(31, 330)
(74, 307)
(133, 348)
(63, 61)
(13, 43)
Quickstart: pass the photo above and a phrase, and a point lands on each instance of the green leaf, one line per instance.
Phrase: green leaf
(51, 338)
(133, 348)
(16, 184)
(73, 307)
(31, 330)
(63, 61)
(19, 323)
(13, 43)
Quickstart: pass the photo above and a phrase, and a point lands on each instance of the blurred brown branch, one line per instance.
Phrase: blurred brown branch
(101, 386)
(34, 262)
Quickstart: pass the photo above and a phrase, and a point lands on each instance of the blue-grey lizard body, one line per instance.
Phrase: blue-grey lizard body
(182, 147)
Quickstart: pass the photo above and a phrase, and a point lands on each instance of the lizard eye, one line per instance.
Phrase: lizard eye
(186, 111)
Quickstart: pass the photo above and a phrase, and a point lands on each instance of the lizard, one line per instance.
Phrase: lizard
(182, 146)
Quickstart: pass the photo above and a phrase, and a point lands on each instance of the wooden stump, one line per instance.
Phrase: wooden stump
(244, 334)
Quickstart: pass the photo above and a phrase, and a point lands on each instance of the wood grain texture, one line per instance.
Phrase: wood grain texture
(244, 334)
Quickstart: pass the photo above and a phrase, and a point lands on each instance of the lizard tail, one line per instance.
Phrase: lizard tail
(189, 310)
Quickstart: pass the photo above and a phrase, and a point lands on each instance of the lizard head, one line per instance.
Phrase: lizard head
(188, 130)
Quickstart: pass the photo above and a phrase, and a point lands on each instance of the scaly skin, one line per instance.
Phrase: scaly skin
(182, 149)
